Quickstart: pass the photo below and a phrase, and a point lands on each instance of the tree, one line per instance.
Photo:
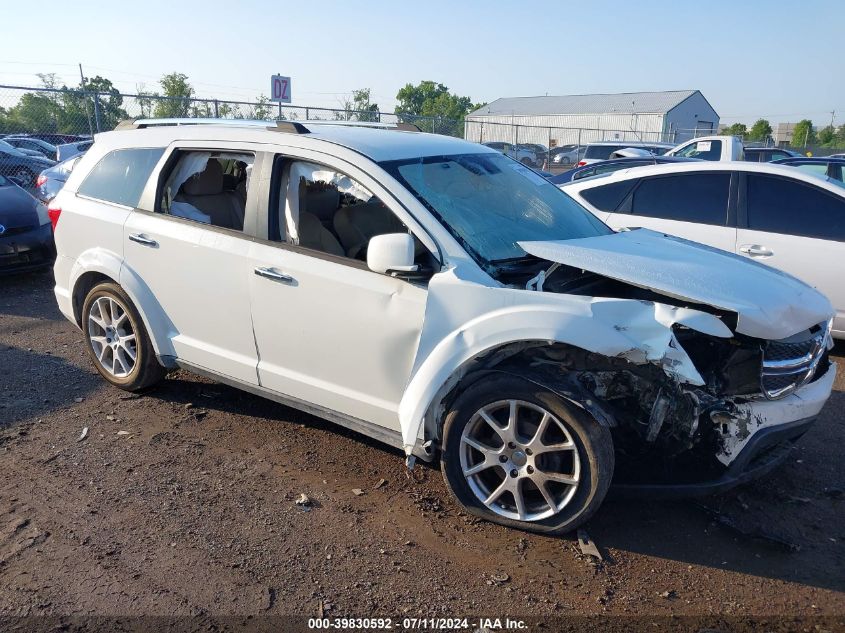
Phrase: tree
(434, 101)
(262, 108)
(803, 134)
(737, 129)
(145, 100)
(365, 109)
(826, 135)
(760, 131)
(78, 108)
(175, 86)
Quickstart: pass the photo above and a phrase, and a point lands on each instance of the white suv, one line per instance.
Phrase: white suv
(442, 298)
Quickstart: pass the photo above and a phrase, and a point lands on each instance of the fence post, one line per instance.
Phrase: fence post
(216, 110)
(97, 110)
(307, 114)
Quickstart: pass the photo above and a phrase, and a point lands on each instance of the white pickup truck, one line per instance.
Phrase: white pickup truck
(710, 148)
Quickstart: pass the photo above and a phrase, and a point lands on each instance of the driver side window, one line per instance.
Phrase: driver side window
(325, 210)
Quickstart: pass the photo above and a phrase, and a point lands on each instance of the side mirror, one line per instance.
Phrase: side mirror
(391, 253)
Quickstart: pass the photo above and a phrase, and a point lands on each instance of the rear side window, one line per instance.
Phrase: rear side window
(700, 198)
(785, 206)
(608, 197)
(703, 150)
(121, 175)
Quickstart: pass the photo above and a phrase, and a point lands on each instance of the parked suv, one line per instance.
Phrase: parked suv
(441, 298)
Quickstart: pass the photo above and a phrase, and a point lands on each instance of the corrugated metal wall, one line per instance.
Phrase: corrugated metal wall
(563, 129)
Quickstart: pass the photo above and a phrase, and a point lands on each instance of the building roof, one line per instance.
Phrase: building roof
(625, 103)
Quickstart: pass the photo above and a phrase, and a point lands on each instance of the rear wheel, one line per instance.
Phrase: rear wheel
(117, 341)
(519, 455)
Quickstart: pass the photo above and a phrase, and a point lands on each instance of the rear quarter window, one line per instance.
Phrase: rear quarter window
(602, 152)
(121, 175)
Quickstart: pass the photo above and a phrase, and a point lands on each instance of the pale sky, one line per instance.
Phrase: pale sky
(781, 60)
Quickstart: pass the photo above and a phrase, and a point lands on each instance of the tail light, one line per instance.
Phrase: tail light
(41, 180)
(54, 212)
(581, 163)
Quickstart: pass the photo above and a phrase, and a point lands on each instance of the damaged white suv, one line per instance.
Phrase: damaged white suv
(442, 298)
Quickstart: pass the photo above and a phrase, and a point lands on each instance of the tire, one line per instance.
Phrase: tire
(527, 162)
(588, 458)
(108, 330)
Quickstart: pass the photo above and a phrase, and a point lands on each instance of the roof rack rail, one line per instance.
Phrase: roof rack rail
(289, 127)
(404, 127)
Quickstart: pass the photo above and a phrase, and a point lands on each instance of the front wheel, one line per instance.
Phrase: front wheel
(117, 342)
(517, 454)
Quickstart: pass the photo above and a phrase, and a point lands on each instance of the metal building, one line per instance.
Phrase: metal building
(672, 116)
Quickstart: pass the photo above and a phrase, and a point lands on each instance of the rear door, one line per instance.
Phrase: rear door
(194, 260)
(695, 206)
(797, 228)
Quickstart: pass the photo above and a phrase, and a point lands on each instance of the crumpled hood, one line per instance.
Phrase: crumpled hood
(769, 304)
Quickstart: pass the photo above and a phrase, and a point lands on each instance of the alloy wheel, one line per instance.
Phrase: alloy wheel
(112, 337)
(520, 460)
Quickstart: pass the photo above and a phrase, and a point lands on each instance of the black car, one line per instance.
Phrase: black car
(606, 167)
(21, 166)
(47, 150)
(26, 234)
(767, 154)
(51, 180)
(53, 138)
(823, 165)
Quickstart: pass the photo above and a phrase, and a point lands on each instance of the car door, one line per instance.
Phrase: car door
(798, 228)
(330, 331)
(695, 206)
(195, 266)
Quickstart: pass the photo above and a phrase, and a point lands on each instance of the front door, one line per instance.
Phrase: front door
(330, 331)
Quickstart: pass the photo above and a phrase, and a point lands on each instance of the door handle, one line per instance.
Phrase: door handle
(275, 275)
(755, 250)
(142, 239)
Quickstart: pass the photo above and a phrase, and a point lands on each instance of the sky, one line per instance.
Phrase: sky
(779, 60)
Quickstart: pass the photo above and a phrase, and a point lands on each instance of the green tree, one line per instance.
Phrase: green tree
(803, 134)
(445, 111)
(826, 135)
(262, 108)
(179, 91)
(365, 109)
(737, 129)
(760, 131)
(80, 109)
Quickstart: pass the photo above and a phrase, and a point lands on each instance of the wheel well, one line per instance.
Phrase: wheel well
(83, 286)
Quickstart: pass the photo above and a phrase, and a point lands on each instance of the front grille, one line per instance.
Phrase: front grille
(790, 364)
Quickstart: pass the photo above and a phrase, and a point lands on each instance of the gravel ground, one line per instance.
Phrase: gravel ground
(183, 502)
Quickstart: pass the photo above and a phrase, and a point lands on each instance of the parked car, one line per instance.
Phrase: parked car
(440, 297)
(26, 238)
(69, 150)
(837, 156)
(541, 152)
(55, 138)
(773, 214)
(26, 152)
(567, 154)
(521, 154)
(606, 167)
(829, 166)
(50, 181)
(22, 166)
(714, 148)
(767, 154)
(602, 150)
(43, 148)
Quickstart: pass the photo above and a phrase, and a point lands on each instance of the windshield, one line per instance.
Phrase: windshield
(490, 202)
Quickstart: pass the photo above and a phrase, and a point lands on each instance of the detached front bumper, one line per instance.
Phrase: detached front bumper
(760, 437)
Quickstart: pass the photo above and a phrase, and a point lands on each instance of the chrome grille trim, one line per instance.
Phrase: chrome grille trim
(789, 365)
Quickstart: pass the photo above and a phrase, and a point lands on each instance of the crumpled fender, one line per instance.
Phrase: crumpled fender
(638, 331)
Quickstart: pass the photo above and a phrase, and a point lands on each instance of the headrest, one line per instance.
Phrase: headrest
(322, 202)
(206, 183)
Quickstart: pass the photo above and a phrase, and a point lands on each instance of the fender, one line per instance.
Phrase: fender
(638, 331)
(111, 265)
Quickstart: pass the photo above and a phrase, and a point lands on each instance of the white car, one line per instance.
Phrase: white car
(774, 214)
(442, 298)
(714, 148)
(602, 150)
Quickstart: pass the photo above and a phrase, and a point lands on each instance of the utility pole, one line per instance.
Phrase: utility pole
(88, 112)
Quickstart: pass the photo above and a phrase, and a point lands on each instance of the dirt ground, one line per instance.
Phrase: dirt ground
(181, 502)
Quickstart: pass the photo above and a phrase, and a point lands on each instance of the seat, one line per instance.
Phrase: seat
(322, 203)
(205, 192)
(355, 225)
(312, 234)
